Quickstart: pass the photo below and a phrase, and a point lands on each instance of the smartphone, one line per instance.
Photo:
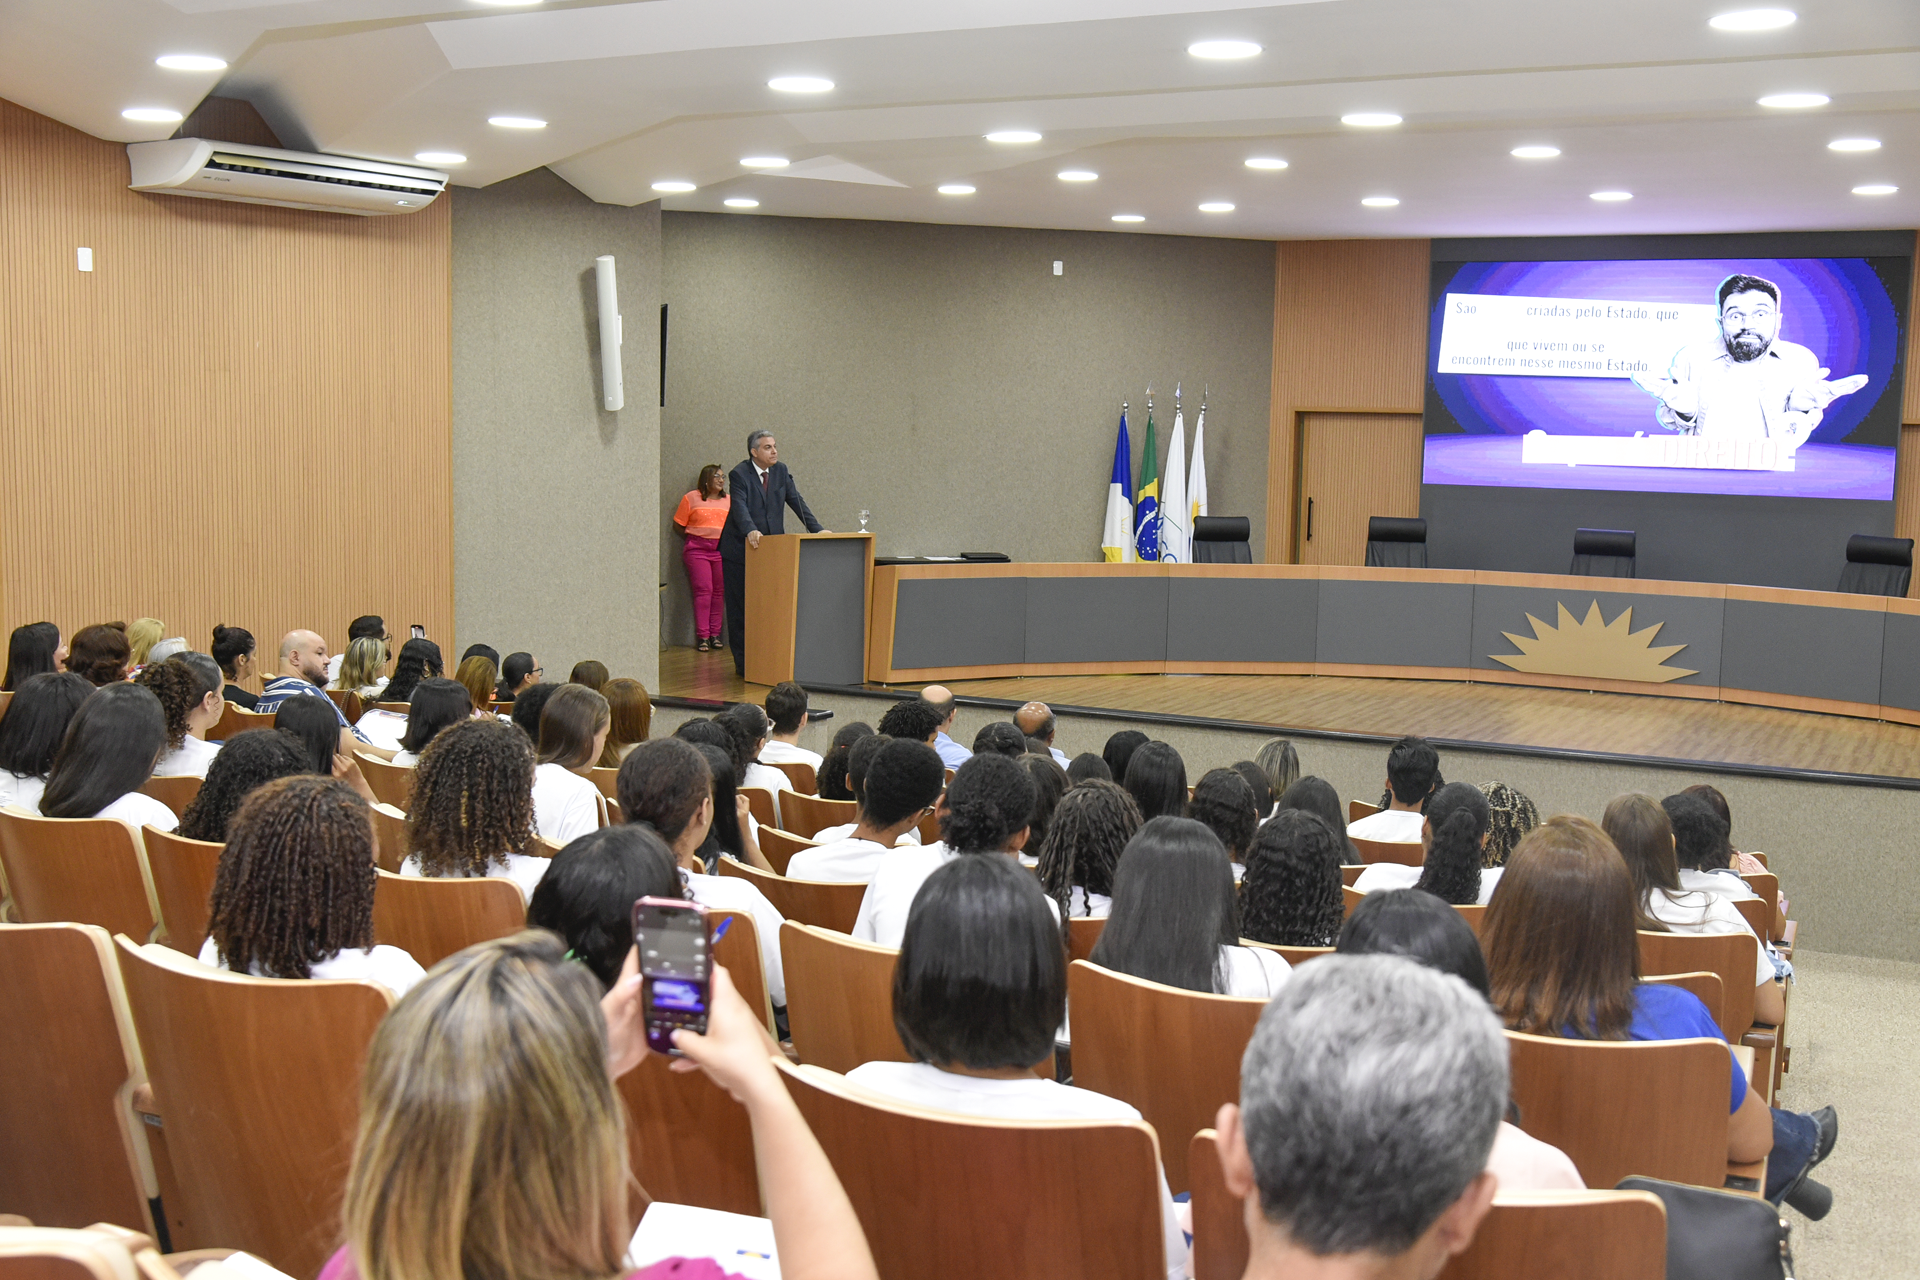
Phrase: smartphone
(419, 632)
(676, 972)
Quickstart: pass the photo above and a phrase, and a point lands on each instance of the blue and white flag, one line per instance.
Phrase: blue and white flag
(1116, 537)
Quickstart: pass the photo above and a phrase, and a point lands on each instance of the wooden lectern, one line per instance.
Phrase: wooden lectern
(807, 608)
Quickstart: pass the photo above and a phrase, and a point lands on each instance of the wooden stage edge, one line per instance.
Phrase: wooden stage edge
(1562, 724)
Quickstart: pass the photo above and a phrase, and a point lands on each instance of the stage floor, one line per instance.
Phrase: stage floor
(1549, 721)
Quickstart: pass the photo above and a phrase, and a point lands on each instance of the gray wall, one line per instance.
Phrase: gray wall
(946, 380)
(555, 537)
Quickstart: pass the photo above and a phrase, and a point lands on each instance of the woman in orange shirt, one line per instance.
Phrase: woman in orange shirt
(702, 515)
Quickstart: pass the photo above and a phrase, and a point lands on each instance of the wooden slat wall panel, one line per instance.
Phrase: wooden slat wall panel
(241, 415)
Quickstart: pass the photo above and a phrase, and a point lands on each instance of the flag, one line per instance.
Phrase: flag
(1176, 523)
(1197, 482)
(1146, 506)
(1116, 539)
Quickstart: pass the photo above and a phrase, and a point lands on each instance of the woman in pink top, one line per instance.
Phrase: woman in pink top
(702, 515)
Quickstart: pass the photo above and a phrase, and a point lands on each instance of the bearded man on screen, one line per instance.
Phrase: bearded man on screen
(1751, 384)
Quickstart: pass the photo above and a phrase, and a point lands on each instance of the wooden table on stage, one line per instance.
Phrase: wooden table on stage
(807, 607)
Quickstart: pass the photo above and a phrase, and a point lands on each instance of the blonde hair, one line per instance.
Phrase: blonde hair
(360, 669)
(491, 1141)
(477, 673)
(142, 635)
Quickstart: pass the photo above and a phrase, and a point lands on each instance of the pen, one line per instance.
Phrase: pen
(748, 1253)
(718, 934)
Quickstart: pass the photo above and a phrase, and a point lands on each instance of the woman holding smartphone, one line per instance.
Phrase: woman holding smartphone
(701, 516)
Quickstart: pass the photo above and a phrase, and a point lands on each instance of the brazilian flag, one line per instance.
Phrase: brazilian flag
(1146, 503)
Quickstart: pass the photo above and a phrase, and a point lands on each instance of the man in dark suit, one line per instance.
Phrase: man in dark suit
(761, 486)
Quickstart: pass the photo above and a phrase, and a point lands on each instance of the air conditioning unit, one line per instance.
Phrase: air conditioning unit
(290, 179)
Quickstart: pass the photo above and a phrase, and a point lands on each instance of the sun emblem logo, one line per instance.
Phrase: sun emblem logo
(1594, 648)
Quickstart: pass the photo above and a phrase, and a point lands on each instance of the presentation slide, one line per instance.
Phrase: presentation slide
(1766, 377)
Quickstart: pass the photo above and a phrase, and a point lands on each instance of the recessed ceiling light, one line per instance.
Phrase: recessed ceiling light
(1854, 144)
(1221, 49)
(1380, 202)
(763, 162)
(1077, 175)
(439, 157)
(1611, 197)
(152, 115)
(673, 188)
(955, 189)
(1794, 101)
(1536, 153)
(1266, 162)
(1013, 135)
(1752, 20)
(190, 62)
(516, 122)
(800, 84)
(1876, 189)
(740, 202)
(1217, 206)
(1370, 119)
(1128, 217)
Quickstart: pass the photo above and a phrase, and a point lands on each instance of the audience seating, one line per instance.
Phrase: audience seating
(1351, 873)
(1705, 986)
(780, 846)
(1397, 542)
(929, 825)
(1173, 1054)
(762, 805)
(542, 847)
(608, 780)
(949, 1197)
(397, 708)
(806, 814)
(89, 870)
(1877, 566)
(1352, 897)
(69, 1062)
(839, 998)
(390, 837)
(1082, 933)
(183, 873)
(349, 703)
(799, 776)
(828, 904)
(688, 1140)
(1473, 913)
(1220, 1244)
(392, 783)
(1603, 553)
(228, 724)
(739, 951)
(1292, 955)
(1358, 809)
(1731, 955)
(256, 1083)
(174, 790)
(430, 919)
(244, 719)
(1406, 853)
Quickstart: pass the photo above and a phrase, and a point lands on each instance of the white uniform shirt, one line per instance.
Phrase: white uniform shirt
(523, 869)
(889, 896)
(1394, 875)
(383, 729)
(778, 752)
(847, 860)
(727, 893)
(827, 835)
(21, 791)
(765, 775)
(1393, 826)
(1254, 973)
(189, 759)
(391, 967)
(1727, 884)
(140, 810)
(1691, 912)
(566, 806)
(1088, 906)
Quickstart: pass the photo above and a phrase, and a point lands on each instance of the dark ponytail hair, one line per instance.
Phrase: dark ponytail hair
(1459, 815)
(990, 798)
(230, 644)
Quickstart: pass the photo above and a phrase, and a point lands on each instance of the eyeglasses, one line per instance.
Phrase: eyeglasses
(539, 671)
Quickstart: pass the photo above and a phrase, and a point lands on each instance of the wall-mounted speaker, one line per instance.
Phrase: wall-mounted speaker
(612, 394)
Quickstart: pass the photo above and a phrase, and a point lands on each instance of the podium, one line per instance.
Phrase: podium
(807, 608)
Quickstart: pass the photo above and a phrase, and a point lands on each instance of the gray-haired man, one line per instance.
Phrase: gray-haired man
(760, 488)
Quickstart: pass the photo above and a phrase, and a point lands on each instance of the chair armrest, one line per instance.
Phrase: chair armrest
(144, 1105)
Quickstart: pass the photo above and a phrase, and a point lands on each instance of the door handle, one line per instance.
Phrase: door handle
(1309, 519)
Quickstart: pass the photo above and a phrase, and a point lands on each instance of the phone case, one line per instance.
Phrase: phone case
(676, 968)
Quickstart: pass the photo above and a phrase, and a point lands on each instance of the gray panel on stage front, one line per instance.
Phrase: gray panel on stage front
(959, 622)
(1241, 619)
(1395, 624)
(830, 615)
(1694, 621)
(1097, 619)
(1804, 650)
(1900, 663)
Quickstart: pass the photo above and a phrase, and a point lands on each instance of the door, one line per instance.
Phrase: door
(1352, 466)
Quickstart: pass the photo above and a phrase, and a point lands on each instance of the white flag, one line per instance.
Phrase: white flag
(1176, 521)
(1197, 484)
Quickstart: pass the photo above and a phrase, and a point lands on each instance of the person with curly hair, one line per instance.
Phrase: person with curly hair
(1291, 896)
(106, 757)
(1225, 804)
(247, 762)
(1091, 826)
(100, 653)
(1510, 815)
(188, 686)
(997, 737)
(1049, 784)
(529, 703)
(293, 897)
(917, 720)
(1454, 837)
(830, 778)
(472, 808)
(31, 730)
(419, 660)
(901, 783)
(32, 650)
(1317, 797)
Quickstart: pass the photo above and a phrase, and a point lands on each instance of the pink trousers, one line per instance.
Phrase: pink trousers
(702, 556)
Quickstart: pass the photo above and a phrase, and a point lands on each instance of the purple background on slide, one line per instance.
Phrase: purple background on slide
(1861, 471)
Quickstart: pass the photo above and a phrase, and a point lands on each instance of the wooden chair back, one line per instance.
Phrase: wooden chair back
(780, 846)
(1292, 955)
(839, 998)
(244, 719)
(1571, 1093)
(1570, 1235)
(183, 872)
(174, 790)
(1351, 896)
(1474, 914)
(929, 825)
(1350, 873)
(348, 701)
(688, 1141)
(1733, 956)
(397, 708)
(1406, 853)
(389, 837)
(1358, 809)
(75, 1154)
(1172, 1054)
(827, 904)
(1082, 933)
(257, 1081)
(392, 783)
(761, 804)
(739, 951)
(608, 780)
(1023, 1216)
(84, 870)
(806, 814)
(430, 919)
(1766, 886)
(1220, 1245)
(228, 724)
(799, 775)
(1706, 986)
(1757, 913)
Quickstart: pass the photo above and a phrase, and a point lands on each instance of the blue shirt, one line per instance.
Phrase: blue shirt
(1664, 1012)
(280, 688)
(952, 754)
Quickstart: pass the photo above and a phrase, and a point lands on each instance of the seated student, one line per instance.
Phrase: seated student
(1264, 796)
(787, 711)
(472, 808)
(1291, 894)
(106, 757)
(1088, 767)
(632, 712)
(1280, 762)
(233, 650)
(1049, 784)
(477, 675)
(486, 651)
(903, 780)
(1224, 804)
(590, 672)
(1701, 848)
(668, 784)
(368, 626)
(1642, 833)
(362, 669)
(573, 730)
(31, 730)
(734, 832)
(1454, 838)
(248, 761)
(100, 653)
(32, 650)
(1157, 781)
(528, 705)
(492, 1141)
(859, 760)
(517, 672)
(996, 737)
(1317, 797)
(985, 813)
(1743, 863)
(978, 992)
(748, 724)
(1563, 961)
(1119, 750)
(915, 720)
(315, 723)
(419, 660)
(587, 896)
(1510, 815)
(1176, 920)
(1417, 925)
(293, 897)
(188, 687)
(437, 705)
(1413, 774)
(1370, 1095)
(831, 776)
(1091, 827)
(142, 635)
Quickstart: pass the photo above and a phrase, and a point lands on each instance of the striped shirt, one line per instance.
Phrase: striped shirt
(280, 688)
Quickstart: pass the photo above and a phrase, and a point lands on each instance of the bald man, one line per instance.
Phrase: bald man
(1035, 720)
(303, 673)
(952, 754)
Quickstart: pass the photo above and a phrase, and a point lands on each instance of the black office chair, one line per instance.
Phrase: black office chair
(1222, 540)
(1603, 553)
(1397, 542)
(1877, 566)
